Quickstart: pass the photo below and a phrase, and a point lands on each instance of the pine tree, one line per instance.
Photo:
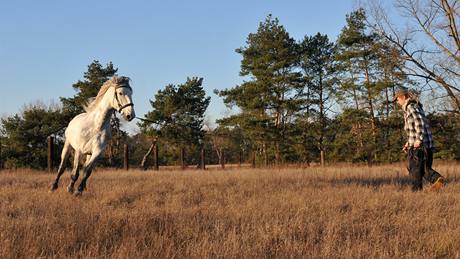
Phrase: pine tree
(357, 57)
(317, 63)
(178, 112)
(370, 68)
(94, 78)
(273, 93)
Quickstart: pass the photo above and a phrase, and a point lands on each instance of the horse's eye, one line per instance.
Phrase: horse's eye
(120, 93)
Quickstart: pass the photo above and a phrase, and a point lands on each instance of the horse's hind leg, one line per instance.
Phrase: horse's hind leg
(64, 157)
(88, 168)
(75, 172)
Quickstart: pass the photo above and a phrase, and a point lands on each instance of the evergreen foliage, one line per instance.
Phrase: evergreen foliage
(177, 116)
(24, 136)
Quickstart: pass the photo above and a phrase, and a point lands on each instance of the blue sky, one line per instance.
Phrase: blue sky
(46, 46)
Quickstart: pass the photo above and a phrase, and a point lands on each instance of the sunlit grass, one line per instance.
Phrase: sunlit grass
(340, 211)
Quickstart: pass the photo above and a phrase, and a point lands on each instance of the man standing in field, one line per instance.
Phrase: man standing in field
(419, 145)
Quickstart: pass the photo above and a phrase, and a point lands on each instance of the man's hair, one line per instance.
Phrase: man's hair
(406, 92)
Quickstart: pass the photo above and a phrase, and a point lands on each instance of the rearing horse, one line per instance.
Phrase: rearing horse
(88, 133)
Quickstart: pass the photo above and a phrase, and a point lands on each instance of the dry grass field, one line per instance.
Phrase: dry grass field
(342, 211)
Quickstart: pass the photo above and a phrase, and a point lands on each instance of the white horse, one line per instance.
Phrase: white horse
(88, 133)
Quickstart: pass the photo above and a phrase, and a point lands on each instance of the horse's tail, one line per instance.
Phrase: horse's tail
(64, 156)
(65, 153)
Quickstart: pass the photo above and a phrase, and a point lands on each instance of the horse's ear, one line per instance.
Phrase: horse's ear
(123, 80)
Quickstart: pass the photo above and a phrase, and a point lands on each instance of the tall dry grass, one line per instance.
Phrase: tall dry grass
(350, 212)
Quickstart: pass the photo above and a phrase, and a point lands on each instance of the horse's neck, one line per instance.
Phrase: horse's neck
(103, 112)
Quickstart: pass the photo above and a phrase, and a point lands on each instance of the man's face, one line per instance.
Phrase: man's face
(401, 100)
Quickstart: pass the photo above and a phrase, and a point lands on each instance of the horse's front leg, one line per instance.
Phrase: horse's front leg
(88, 168)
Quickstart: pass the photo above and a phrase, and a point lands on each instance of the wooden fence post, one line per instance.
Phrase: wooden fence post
(182, 157)
(203, 162)
(1, 159)
(50, 153)
(240, 158)
(222, 161)
(155, 157)
(126, 157)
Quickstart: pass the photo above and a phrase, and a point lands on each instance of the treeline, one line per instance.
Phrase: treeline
(301, 101)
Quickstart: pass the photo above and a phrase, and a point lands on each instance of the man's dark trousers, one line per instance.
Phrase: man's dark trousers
(420, 162)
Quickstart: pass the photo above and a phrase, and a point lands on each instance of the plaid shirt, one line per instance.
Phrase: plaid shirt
(416, 125)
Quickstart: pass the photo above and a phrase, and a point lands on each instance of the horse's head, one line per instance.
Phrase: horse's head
(122, 101)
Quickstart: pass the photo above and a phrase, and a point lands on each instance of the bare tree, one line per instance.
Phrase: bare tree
(429, 40)
(154, 141)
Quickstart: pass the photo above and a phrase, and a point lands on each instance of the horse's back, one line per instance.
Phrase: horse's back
(76, 126)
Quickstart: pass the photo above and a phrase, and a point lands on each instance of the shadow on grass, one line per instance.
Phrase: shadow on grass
(375, 182)
(401, 181)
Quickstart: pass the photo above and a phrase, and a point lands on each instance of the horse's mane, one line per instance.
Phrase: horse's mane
(113, 82)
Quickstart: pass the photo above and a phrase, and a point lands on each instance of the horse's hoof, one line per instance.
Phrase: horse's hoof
(53, 187)
(70, 189)
(78, 193)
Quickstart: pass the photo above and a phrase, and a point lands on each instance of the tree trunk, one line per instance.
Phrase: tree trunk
(387, 128)
(110, 153)
(222, 159)
(126, 157)
(218, 150)
(265, 154)
(322, 118)
(371, 151)
(50, 153)
(240, 158)
(1, 158)
(144, 158)
(202, 159)
(156, 165)
(182, 158)
(322, 158)
(355, 95)
(277, 154)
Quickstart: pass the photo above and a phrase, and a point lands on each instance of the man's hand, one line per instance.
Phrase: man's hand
(406, 147)
(417, 144)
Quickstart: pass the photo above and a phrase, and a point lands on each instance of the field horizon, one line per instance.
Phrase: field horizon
(336, 211)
